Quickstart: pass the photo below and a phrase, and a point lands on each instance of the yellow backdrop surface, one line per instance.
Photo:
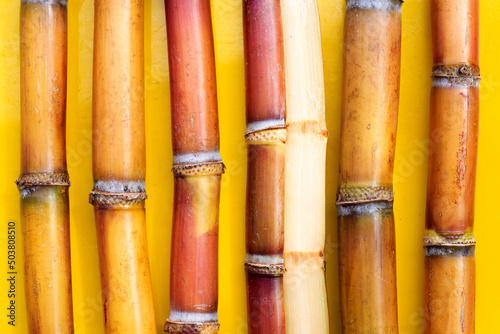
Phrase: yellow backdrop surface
(410, 165)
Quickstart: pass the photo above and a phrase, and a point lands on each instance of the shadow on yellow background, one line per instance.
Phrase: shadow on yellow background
(410, 168)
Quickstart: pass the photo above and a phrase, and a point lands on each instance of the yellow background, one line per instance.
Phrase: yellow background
(410, 168)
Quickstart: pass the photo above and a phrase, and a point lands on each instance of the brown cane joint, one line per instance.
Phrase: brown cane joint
(47, 2)
(267, 136)
(43, 179)
(202, 169)
(265, 269)
(436, 239)
(174, 327)
(355, 195)
(456, 71)
(99, 198)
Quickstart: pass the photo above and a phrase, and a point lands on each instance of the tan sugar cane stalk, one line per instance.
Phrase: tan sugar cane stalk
(370, 101)
(306, 309)
(197, 168)
(454, 113)
(44, 180)
(265, 136)
(119, 166)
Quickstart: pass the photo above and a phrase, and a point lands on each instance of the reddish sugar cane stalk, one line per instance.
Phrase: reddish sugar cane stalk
(454, 114)
(265, 137)
(44, 179)
(197, 168)
(119, 166)
(370, 100)
(306, 309)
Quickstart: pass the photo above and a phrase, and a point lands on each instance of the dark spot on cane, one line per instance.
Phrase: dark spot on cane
(463, 70)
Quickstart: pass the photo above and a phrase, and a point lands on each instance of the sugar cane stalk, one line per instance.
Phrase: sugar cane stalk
(265, 137)
(370, 100)
(119, 166)
(44, 180)
(454, 113)
(197, 168)
(306, 309)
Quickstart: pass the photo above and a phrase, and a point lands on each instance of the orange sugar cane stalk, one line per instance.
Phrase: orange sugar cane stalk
(119, 166)
(197, 168)
(454, 114)
(370, 101)
(306, 308)
(44, 179)
(266, 136)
